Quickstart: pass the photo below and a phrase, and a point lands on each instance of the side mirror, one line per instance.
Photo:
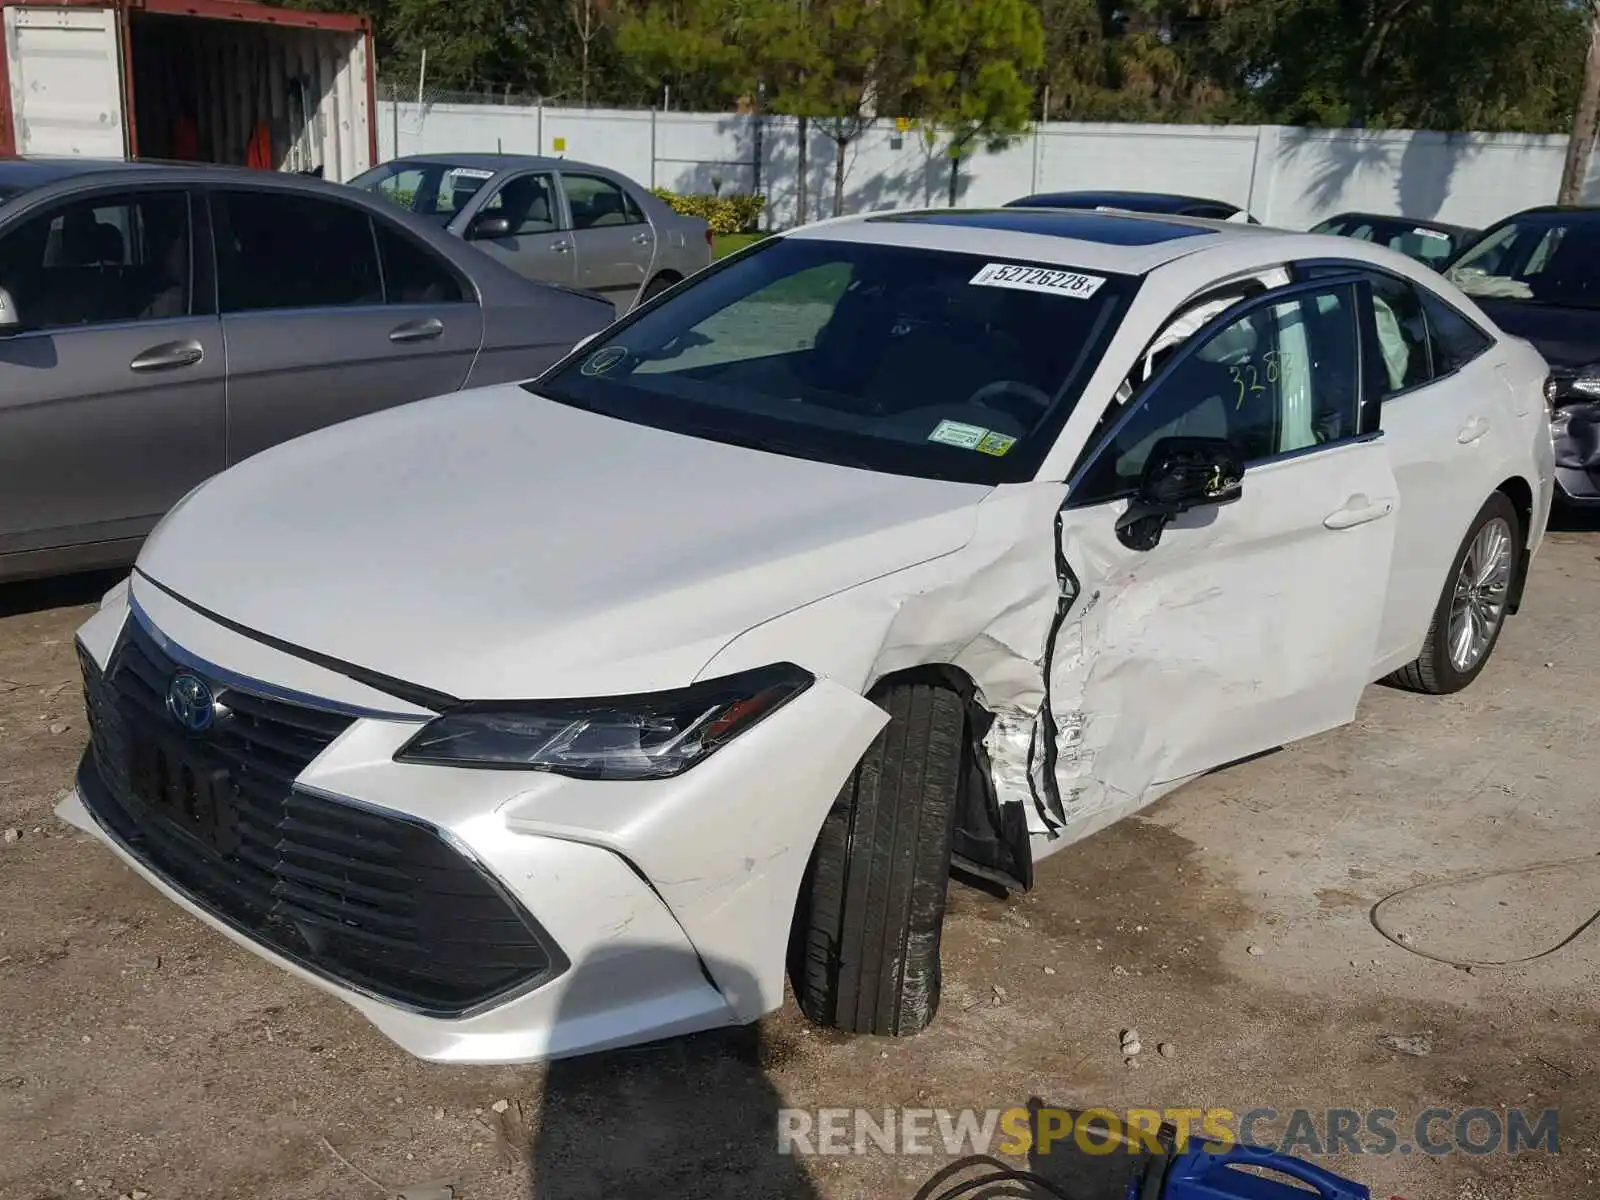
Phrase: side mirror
(1181, 473)
(489, 227)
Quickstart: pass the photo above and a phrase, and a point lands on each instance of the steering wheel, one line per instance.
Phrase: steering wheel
(1033, 400)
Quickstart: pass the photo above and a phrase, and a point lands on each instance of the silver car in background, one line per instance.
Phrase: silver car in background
(160, 323)
(552, 219)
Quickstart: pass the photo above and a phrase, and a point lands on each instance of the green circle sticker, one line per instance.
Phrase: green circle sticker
(603, 360)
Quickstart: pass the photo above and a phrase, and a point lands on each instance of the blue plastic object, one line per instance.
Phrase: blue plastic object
(1208, 1173)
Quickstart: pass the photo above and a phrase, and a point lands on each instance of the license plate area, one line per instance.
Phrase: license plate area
(179, 781)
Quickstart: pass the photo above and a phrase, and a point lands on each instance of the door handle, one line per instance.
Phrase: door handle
(1472, 431)
(561, 247)
(423, 330)
(1358, 510)
(168, 356)
(641, 239)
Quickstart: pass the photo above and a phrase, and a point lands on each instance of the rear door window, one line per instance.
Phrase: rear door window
(597, 203)
(278, 250)
(1402, 334)
(414, 274)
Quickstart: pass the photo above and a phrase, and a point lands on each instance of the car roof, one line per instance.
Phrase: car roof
(1120, 242)
(1160, 202)
(36, 172)
(1556, 210)
(495, 162)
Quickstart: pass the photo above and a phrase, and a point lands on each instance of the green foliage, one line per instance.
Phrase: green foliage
(971, 74)
(1426, 64)
(725, 214)
(978, 70)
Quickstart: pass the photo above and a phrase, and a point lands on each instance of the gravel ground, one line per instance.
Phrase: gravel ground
(141, 1054)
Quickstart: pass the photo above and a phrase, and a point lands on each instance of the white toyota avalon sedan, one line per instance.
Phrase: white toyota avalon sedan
(545, 718)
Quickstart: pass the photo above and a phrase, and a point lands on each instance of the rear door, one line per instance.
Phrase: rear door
(329, 312)
(1444, 415)
(1251, 624)
(111, 399)
(534, 240)
(615, 242)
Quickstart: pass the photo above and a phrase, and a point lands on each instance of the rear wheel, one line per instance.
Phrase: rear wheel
(656, 286)
(1472, 609)
(866, 953)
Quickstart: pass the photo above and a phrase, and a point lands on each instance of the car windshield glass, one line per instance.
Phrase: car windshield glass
(896, 359)
(430, 189)
(1431, 246)
(1546, 258)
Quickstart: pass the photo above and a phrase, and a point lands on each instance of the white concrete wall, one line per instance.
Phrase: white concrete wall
(1285, 176)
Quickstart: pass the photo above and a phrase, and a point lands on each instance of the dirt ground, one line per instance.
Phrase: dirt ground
(140, 1053)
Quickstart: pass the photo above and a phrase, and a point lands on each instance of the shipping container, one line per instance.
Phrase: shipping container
(193, 80)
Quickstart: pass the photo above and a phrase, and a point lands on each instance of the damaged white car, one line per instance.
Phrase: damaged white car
(540, 719)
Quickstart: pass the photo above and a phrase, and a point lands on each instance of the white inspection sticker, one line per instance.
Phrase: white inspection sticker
(1049, 280)
(471, 173)
(1432, 233)
(957, 433)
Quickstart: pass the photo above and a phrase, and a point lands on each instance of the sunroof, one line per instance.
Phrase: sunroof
(1111, 229)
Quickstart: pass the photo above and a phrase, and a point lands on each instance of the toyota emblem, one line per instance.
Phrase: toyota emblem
(191, 702)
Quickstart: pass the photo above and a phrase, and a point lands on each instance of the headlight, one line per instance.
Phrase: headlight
(630, 737)
(1568, 386)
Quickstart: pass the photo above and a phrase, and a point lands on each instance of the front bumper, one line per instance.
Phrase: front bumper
(1577, 451)
(665, 906)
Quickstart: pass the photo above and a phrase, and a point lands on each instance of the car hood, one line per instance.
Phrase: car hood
(1567, 337)
(494, 544)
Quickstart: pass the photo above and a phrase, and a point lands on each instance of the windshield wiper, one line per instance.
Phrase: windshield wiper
(710, 433)
(771, 446)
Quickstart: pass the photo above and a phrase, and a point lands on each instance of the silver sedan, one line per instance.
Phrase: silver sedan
(552, 220)
(160, 323)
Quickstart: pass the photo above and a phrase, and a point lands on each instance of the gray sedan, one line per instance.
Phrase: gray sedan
(160, 323)
(552, 219)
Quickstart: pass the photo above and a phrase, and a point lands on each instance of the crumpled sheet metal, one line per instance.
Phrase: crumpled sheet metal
(1579, 448)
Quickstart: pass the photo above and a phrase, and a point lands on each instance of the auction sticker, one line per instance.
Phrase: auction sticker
(471, 173)
(1050, 280)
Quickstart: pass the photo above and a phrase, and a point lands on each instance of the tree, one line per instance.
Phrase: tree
(972, 74)
(692, 43)
(1581, 144)
(855, 48)
(1402, 63)
(588, 19)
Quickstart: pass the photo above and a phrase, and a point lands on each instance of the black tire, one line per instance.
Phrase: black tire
(866, 947)
(656, 286)
(1433, 672)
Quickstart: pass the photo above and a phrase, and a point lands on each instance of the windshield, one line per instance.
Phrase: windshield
(1431, 246)
(429, 189)
(896, 359)
(1546, 258)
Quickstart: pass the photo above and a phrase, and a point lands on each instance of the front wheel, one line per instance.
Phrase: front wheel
(1472, 609)
(866, 946)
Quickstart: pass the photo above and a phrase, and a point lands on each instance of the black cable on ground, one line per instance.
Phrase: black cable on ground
(1378, 923)
(998, 1173)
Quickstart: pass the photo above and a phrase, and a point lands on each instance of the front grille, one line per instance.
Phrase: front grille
(376, 901)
